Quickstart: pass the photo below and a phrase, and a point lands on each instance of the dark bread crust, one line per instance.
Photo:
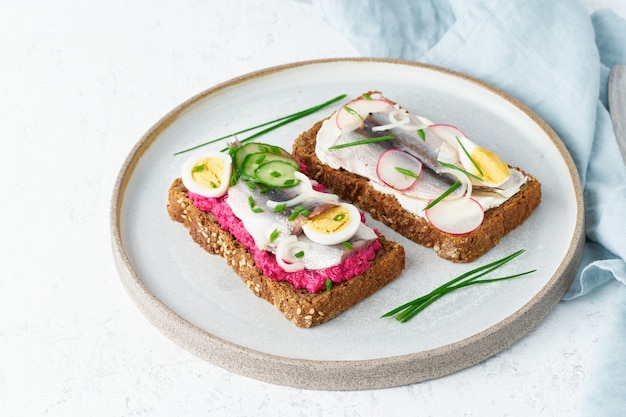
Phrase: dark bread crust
(303, 308)
(383, 207)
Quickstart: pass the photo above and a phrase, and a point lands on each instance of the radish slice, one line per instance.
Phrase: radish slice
(456, 217)
(448, 133)
(392, 162)
(351, 116)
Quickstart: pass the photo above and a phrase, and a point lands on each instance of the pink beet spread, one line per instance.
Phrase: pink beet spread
(311, 280)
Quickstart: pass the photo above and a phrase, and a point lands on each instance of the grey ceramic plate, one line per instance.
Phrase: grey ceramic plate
(197, 301)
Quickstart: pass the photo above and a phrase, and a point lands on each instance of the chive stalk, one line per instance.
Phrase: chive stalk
(443, 195)
(409, 310)
(480, 171)
(273, 124)
(362, 142)
(452, 166)
(407, 172)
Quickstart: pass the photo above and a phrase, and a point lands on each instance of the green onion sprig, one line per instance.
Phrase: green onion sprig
(273, 124)
(409, 310)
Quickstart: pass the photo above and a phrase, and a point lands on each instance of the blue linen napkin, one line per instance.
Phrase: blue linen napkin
(555, 58)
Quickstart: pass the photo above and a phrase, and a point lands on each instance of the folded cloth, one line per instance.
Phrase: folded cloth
(551, 56)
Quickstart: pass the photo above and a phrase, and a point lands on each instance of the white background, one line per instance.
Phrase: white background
(80, 83)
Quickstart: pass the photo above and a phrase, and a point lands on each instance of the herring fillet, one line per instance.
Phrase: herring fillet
(261, 225)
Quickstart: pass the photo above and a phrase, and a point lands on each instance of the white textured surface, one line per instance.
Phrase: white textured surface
(79, 84)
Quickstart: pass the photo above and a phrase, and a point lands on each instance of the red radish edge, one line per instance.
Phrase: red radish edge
(385, 169)
(458, 217)
(447, 132)
(345, 119)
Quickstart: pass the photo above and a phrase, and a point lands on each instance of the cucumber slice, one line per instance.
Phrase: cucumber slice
(240, 154)
(277, 174)
(255, 160)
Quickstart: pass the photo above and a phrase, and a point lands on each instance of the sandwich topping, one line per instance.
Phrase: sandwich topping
(295, 230)
(434, 170)
(208, 175)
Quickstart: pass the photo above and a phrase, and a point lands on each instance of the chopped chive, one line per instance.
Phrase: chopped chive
(407, 172)
(328, 284)
(264, 190)
(469, 156)
(453, 187)
(452, 166)
(339, 217)
(363, 142)
(367, 96)
(260, 159)
(289, 182)
(280, 208)
(251, 185)
(294, 214)
(421, 134)
(299, 254)
(252, 205)
(348, 245)
(212, 184)
(297, 211)
(274, 235)
(276, 123)
(198, 168)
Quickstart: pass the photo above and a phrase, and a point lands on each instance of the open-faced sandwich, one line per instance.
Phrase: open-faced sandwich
(293, 244)
(427, 181)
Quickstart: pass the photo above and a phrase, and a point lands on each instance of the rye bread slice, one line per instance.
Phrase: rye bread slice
(498, 221)
(303, 308)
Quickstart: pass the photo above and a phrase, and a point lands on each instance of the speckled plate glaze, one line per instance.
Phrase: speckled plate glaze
(197, 301)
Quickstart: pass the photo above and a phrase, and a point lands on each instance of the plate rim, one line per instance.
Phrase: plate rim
(342, 374)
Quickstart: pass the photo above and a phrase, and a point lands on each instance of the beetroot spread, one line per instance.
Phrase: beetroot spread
(311, 280)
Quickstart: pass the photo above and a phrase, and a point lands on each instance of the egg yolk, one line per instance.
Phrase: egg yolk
(208, 172)
(494, 170)
(330, 221)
